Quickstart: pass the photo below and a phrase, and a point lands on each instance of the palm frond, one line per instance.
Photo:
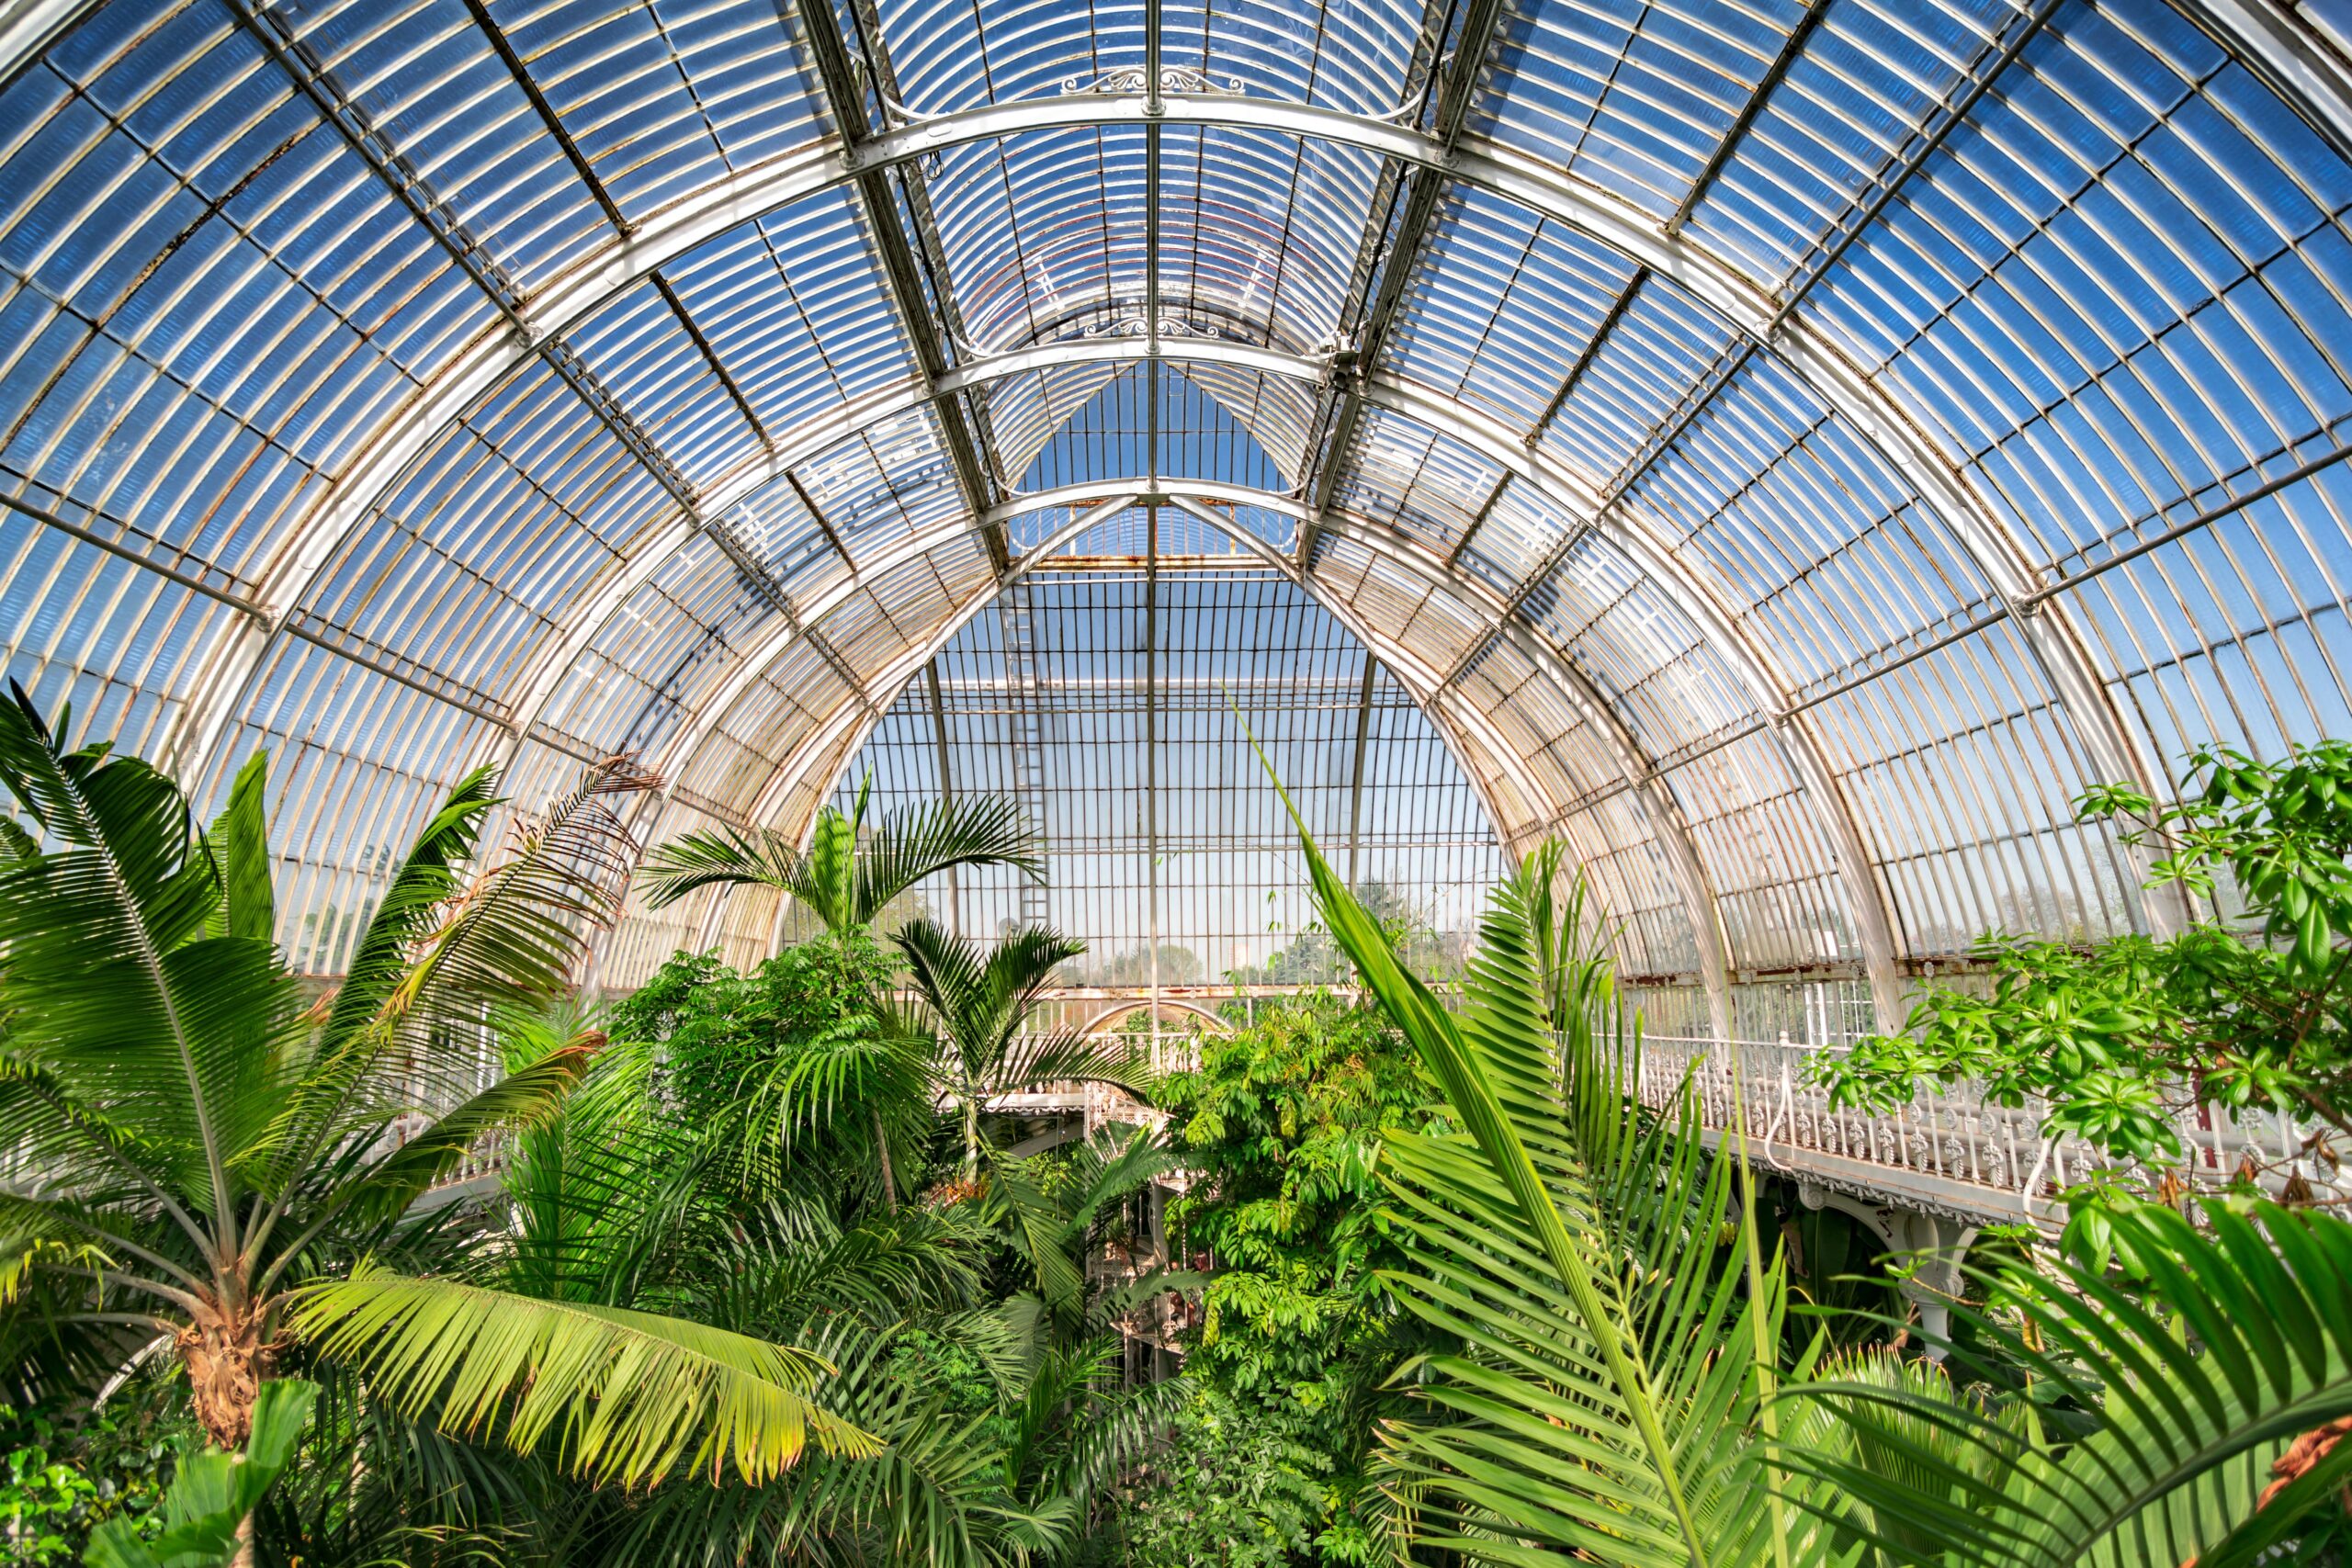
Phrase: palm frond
(936, 1494)
(1592, 1411)
(626, 1392)
(2189, 1422)
(357, 1036)
(1021, 965)
(1041, 1234)
(522, 1098)
(948, 971)
(921, 841)
(426, 880)
(112, 986)
(512, 939)
(724, 858)
(240, 848)
(1071, 1057)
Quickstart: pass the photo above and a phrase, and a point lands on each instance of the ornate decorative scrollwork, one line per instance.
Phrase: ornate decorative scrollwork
(1135, 326)
(1128, 80)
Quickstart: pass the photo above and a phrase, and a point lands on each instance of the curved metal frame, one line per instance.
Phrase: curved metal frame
(1118, 1010)
(2277, 44)
(832, 742)
(1818, 364)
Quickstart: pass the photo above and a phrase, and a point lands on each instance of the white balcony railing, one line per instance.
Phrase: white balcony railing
(1951, 1146)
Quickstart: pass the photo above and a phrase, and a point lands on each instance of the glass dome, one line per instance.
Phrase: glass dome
(1788, 450)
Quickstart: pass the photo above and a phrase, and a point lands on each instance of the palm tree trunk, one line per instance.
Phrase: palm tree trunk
(244, 1556)
(890, 1181)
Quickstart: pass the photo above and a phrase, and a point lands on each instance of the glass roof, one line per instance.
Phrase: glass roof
(1789, 447)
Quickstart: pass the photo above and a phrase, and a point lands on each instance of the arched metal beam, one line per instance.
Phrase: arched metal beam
(839, 736)
(1419, 678)
(1573, 492)
(2280, 45)
(221, 686)
(762, 654)
(1118, 1010)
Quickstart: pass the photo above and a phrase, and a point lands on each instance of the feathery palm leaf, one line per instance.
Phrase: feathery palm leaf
(2189, 1422)
(116, 992)
(1068, 1057)
(839, 879)
(1599, 1405)
(937, 1493)
(212, 1139)
(628, 1391)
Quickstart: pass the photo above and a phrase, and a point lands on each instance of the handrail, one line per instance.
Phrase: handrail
(1946, 1148)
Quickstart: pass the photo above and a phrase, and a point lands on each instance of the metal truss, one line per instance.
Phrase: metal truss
(2276, 43)
(1385, 264)
(826, 744)
(1816, 363)
(915, 280)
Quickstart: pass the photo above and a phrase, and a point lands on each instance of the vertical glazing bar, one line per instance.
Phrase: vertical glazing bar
(946, 783)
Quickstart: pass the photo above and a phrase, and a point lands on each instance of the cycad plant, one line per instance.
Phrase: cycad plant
(849, 875)
(209, 1161)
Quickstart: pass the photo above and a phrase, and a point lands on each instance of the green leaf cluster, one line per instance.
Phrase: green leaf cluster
(2244, 1011)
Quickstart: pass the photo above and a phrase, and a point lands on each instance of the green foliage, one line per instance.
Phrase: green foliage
(213, 1494)
(2247, 1013)
(2218, 1338)
(1239, 1481)
(1281, 1125)
(1614, 1391)
(70, 1472)
(793, 1056)
(974, 1022)
(849, 874)
(229, 1169)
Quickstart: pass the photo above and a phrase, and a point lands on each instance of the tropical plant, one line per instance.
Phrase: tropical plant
(1280, 1127)
(848, 875)
(1614, 1325)
(1613, 1394)
(207, 1507)
(789, 1068)
(1238, 1480)
(995, 1422)
(973, 1026)
(2216, 1357)
(2117, 1037)
(71, 1464)
(219, 1159)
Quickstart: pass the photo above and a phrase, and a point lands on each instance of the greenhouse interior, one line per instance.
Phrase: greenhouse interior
(1304, 783)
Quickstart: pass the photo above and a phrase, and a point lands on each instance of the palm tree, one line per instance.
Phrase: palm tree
(977, 1004)
(213, 1158)
(1612, 1365)
(847, 877)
